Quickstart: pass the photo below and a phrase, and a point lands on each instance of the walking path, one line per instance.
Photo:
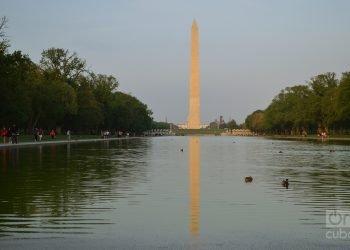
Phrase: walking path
(308, 138)
(35, 143)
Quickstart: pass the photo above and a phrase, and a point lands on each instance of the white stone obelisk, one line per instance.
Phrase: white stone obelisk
(194, 121)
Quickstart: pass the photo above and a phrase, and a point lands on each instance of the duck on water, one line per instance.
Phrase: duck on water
(285, 183)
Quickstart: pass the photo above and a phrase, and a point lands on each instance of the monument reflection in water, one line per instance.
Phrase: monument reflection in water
(194, 184)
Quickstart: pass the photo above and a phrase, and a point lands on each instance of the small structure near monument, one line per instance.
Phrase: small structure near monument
(239, 132)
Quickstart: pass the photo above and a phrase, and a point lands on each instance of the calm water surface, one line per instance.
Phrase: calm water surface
(146, 193)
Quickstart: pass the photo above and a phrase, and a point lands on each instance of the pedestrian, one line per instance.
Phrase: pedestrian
(9, 135)
(41, 133)
(4, 134)
(14, 132)
(68, 135)
(36, 134)
(52, 134)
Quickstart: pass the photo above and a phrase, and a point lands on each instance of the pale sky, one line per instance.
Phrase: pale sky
(249, 50)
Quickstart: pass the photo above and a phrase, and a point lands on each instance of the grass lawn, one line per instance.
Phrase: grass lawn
(198, 131)
(310, 137)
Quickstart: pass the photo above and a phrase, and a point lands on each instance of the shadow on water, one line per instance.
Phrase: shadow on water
(61, 189)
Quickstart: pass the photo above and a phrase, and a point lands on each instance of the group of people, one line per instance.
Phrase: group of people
(106, 134)
(324, 136)
(11, 133)
(323, 133)
(39, 133)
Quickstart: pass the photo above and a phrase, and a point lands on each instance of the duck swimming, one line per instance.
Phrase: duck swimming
(285, 183)
(248, 179)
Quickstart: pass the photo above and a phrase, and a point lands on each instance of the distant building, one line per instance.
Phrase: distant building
(185, 126)
(182, 126)
(214, 124)
(221, 121)
(218, 124)
(204, 125)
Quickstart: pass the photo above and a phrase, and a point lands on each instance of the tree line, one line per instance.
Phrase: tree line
(60, 92)
(322, 105)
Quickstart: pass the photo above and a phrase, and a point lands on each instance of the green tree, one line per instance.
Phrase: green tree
(160, 125)
(276, 120)
(54, 96)
(89, 115)
(4, 43)
(324, 99)
(15, 83)
(255, 121)
(52, 101)
(60, 64)
(129, 114)
(104, 88)
(290, 111)
(60, 91)
(343, 102)
(232, 124)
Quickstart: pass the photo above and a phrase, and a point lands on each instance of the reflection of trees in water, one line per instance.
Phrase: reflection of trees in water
(49, 182)
(318, 173)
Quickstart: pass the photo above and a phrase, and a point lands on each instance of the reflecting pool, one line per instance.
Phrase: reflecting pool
(174, 192)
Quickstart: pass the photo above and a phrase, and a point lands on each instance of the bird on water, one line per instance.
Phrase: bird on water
(285, 183)
(248, 179)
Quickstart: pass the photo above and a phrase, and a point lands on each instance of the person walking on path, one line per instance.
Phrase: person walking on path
(36, 134)
(14, 132)
(4, 134)
(41, 133)
(9, 135)
(68, 135)
(52, 134)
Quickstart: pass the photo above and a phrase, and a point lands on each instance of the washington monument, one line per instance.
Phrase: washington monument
(193, 119)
